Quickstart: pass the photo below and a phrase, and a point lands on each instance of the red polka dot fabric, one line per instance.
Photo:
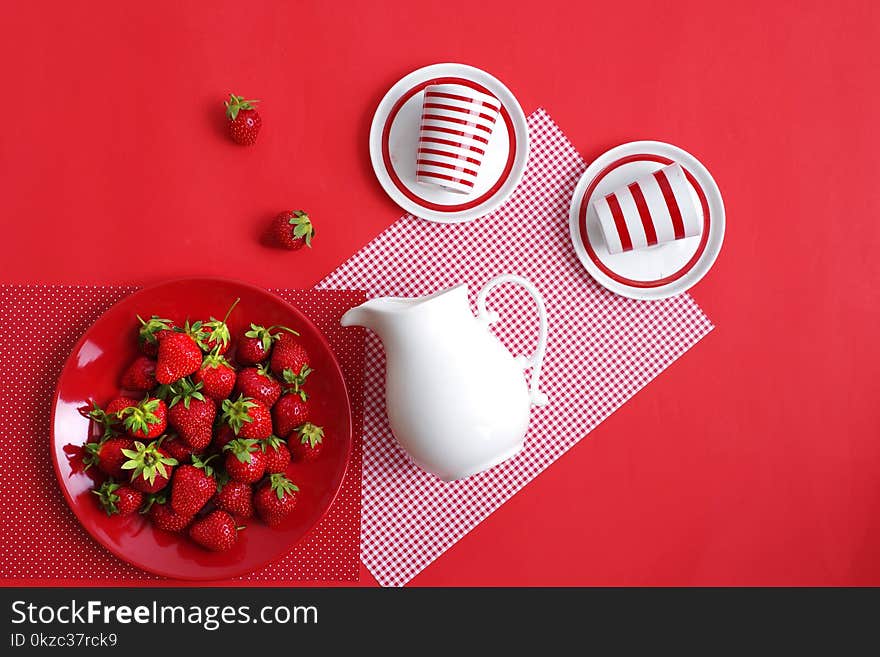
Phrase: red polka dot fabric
(40, 539)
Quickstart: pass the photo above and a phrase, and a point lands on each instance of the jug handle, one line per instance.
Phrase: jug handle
(536, 360)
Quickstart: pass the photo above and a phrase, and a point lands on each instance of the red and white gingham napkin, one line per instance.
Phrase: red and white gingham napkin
(602, 349)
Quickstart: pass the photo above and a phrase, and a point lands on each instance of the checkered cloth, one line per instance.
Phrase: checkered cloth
(602, 349)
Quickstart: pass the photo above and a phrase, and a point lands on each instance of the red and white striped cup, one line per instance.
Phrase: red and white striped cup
(654, 209)
(456, 125)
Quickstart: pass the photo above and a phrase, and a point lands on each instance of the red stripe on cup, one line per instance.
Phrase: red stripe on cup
(434, 151)
(644, 213)
(463, 110)
(449, 142)
(446, 165)
(460, 133)
(443, 94)
(620, 222)
(671, 203)
(470, 124)
(431, 174)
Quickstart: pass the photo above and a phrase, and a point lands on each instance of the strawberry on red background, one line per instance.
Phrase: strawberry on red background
(107, 455)
(307, 442)
(235, 497)
(215, 332)
(119, 404)
(288, 354)
(107, 422)
(217, 531)
(179, 356)
(258, 384)
(245, 460)
(290, 412)
(292, 230)
(277, 454)
(146, 420)
(162, 516)
(255, 345)
(248, 418)
(149, 332)
(140, 375)
(118, 499)
(217, 377)
(176, 448)
(222, 437)
(150, 466)
(192, 415)
(192, 486)
(275, 499)
(244, 120)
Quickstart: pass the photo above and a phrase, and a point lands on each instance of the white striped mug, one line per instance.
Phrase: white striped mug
(654, 209)
(454, 133)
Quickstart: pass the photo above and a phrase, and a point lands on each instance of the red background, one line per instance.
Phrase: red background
(752, 460)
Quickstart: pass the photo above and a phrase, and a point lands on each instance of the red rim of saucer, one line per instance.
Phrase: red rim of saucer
(406, 191)
(585, 238)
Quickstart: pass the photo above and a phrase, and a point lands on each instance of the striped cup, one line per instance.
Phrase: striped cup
(456, 125)
(654, 209)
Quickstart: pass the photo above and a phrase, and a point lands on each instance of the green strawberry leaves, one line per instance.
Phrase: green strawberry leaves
(310, 434)
(242, 448)
(235, 413)
(295, 382)
(302, 226)
(282, 485)
(147, 461)
(186, 391)
(237, 103)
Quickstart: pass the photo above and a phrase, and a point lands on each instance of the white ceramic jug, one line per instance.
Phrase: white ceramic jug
(457, 400)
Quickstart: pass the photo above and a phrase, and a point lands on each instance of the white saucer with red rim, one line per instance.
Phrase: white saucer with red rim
(659, 271)
(394, 137)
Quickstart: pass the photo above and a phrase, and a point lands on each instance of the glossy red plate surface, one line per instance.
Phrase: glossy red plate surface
(92, 371)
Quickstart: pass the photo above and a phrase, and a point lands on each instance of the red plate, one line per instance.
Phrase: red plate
(93, 370)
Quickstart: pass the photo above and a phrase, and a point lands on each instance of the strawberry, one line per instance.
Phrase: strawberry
(150, 465)
(255, 345)
(106, 421)
(292, 230)
(192, 415)
(217, 377)
(147, 419)
(224, 435)
(119, 404)
(248, 418)
(291, 411)
(176, 448)
(107, 455)
(288, 354)
(245, 461)
(179, 356)
(215, 332)
(164, 517)
(216, 531)
(192, 486)
(118, 499)
(235, 497)
(149, 331)
(140, 375)
(308, 442)
(244, 120)
(295, 381)
(257, 383)
(275, 499)
(277, 454)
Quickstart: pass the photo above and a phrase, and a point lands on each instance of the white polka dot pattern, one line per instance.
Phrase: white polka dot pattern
(602, 349)
(40, 539)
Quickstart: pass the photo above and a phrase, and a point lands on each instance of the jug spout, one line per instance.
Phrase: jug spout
(368, 314)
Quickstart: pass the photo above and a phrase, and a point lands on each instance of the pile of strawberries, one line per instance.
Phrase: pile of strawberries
(199, 443)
